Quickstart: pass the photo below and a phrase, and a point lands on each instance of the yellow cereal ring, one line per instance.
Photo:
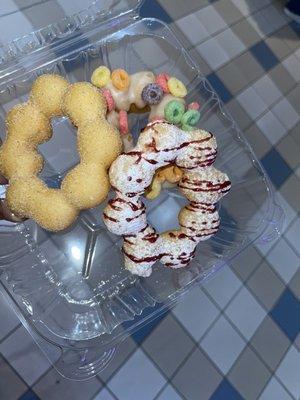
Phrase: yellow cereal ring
(176, 87)
(120, 79)
(100, 76)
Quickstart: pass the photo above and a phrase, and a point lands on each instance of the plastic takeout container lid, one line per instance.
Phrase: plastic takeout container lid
(79, 323)
(31, 27)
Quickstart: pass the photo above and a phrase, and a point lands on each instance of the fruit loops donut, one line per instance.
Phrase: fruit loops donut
(28, 125)
(130, 174)
(163, 95)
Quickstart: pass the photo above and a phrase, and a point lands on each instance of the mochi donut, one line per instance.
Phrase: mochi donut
(130, 174)
(162, 95)
(28, 125)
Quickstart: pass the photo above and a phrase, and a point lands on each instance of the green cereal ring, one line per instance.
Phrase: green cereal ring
(174, 111)
(190, 117)
(187, 128)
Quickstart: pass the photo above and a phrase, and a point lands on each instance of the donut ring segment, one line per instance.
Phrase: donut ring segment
(203, 185)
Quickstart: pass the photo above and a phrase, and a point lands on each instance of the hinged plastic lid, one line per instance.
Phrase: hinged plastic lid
(28, 28)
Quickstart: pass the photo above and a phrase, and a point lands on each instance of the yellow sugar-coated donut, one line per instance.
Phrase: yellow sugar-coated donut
(47, 92)
(88, 142)
(28, 125)
(83, 102)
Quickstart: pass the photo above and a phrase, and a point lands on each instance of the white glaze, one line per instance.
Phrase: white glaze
(158, 144)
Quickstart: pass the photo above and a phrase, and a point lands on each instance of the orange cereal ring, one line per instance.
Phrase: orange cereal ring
(162, 81)
(120, 79)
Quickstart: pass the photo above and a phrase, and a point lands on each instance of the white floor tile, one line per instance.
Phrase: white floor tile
(288, 371)
(223, 286)
(71, 7)
(223, 344)
(286, 113)
(292, 64)
(293, 234)
(274, 391)
(212, 53)
(24, 355)
(187, 25)
(9, 6)
(243, 6)
(230, 43)
(169, 394)
(246, 7)
(245, 312)
(252, 103)
(284, 260)
(267, 90)
(271, 127)
(137, 379)
(196, 313)
(211, 19)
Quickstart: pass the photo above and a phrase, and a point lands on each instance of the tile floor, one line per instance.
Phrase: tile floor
(237, 337)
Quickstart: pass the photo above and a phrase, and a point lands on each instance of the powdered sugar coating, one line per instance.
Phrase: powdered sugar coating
(131, 173)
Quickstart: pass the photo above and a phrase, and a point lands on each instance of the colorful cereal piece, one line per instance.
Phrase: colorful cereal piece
(152, 94)
(174, 111)
(194, 106)
(190, 117)
(176, 87)
(162, 81)
(120, 79)
(100, 76)
(123, 122)
(109, 99)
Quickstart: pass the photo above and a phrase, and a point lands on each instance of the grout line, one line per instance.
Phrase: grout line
(248, 342)
(21, 9)
(173, 387)
(14, 370)
(10, 332)
(104, 387)
(43, 374)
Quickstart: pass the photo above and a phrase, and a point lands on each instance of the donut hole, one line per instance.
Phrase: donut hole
(162, 212)
(60, 152)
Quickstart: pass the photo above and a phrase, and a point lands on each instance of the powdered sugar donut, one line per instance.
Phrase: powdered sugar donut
(202, 184)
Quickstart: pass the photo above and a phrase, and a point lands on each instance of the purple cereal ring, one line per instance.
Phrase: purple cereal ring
(152, 94)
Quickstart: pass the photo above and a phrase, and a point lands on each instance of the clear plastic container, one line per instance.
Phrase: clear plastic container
(78, 322)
